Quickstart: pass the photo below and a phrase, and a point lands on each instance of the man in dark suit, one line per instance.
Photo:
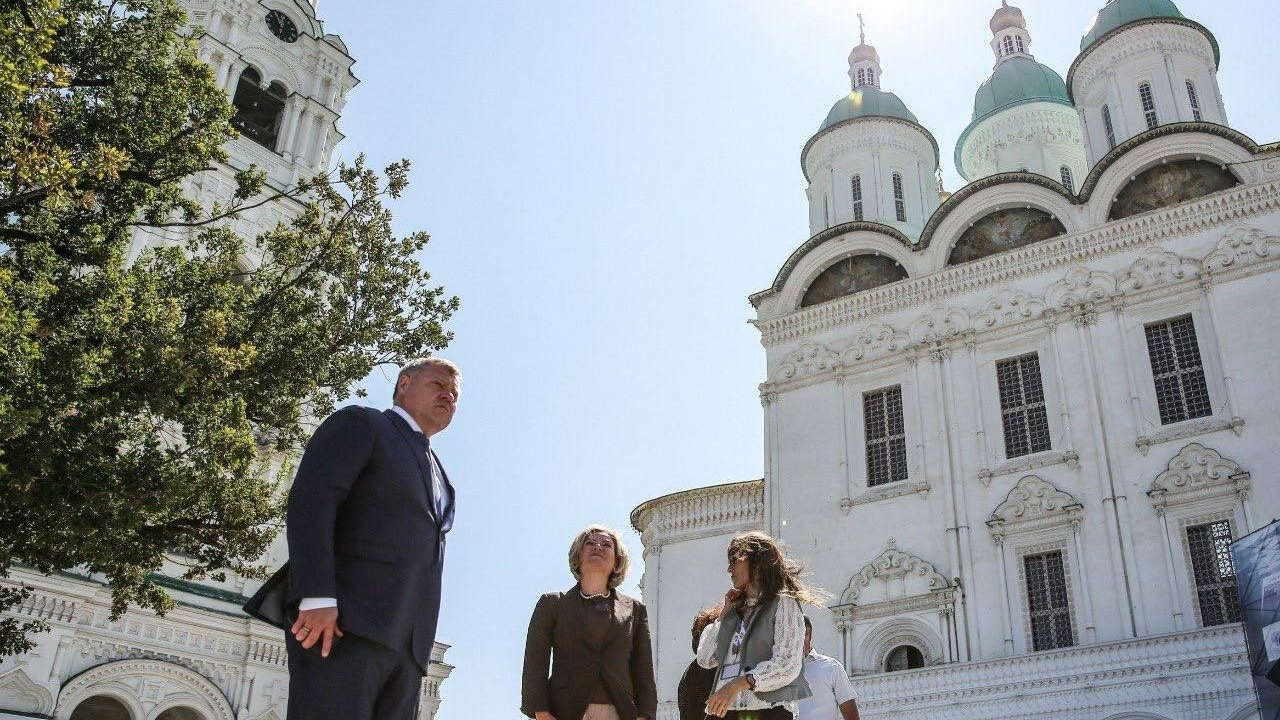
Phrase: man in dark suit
(368, 513)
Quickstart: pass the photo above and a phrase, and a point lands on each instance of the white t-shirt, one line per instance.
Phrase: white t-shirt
(830, 686)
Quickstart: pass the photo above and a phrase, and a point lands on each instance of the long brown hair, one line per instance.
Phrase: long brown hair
(772, 572)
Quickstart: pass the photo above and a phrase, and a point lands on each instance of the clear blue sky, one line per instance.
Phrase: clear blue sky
(604, 184)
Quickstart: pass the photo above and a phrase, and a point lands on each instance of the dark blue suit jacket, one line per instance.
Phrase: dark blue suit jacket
(362, 529)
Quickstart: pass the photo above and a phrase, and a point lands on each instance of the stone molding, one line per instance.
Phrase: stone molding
(1198, 473)
(150, 683)
(1034, 504)
(703, 512)
(1080, 291)
(1044, 122)
(20, 693)
(998, 270)
(892, 564)
(1153, 36)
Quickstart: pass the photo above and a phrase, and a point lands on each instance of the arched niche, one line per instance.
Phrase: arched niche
(850, 275)
(1002, 230)
(101, 707)
(259, 110)
(1168, 184)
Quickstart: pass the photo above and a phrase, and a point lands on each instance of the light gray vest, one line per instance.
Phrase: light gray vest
(758, 647)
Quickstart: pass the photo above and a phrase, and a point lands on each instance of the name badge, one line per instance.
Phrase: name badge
(728, 673)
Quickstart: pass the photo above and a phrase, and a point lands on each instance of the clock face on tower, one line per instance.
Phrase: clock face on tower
(281, 26)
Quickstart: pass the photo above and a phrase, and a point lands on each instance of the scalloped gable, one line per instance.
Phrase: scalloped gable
(1034, 503)
(893, 565)
(1197, 473)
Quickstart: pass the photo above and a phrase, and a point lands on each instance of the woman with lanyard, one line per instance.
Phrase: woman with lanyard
(758, 642)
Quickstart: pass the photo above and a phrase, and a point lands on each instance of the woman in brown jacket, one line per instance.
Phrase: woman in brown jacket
(603, 668)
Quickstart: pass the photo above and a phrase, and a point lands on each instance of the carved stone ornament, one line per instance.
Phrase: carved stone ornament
(1241, 247)
(810, 359)
(892, 564)
(1157, 266)
(19, 693)
(1198, 473)
(1080, 286)
(1007, 307)
(1032, 504)
(943, 323)
(153, 681)
(874, 341)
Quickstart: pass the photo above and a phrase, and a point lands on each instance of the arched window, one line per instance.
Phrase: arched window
(1168, 184)
(856, 187)
(1064, 172)
(862, 77)
(1106, 124)
(101, 707)
(1148, 105)
(899, 199)
(903, 657)
(852, 275)
(1195, 101)
(1004, 230)
(259, 112)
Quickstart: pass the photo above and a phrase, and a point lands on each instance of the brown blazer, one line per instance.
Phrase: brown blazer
(625, 666)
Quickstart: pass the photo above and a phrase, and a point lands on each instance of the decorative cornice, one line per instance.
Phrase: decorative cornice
(1086, 52)
(1177, 128)
(1005, 178)
(1033, 504)
(937, 155)
(892, 564)
(1198, 473)
(1218, 209)
(703, 512)
(823, 236)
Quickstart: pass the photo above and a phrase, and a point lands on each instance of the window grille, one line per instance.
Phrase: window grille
(1007, 45)
(871, 76)
(1018, 39)
(1068, 182)
(1148, 105)
(886, 436)
(856, 187)
(1022, 406)
(899, 199)
(1111, 131)
(1195, 101)
(1047, 601)
(1181, 392)
(862, 78)
(1215, 574)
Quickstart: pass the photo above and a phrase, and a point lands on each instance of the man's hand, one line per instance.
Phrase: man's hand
(721, 700)
(543, 715)
(319, 625)
(732, 596)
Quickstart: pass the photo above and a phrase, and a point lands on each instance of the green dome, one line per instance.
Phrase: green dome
(867, 102)
(1016, 81)
(1118, 13)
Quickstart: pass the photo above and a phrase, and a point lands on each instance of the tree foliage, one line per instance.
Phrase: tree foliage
(146, 400)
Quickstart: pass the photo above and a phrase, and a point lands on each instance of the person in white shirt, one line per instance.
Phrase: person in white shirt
(833, 695)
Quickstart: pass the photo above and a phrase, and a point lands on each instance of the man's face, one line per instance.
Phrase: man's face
(430, 396)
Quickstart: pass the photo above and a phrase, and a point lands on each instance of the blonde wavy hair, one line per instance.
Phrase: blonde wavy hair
(622, 558)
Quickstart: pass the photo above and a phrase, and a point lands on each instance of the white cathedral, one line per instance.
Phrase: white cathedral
(1014, 429)
(205, 660)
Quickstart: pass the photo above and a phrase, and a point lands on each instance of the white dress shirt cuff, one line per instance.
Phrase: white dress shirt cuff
(317, 603)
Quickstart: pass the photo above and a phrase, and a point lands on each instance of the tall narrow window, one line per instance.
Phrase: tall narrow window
(871, 76)
(1215, 573)
(1111, 130)
(1148, 105)
(258, 112)
(856, 184)
(1018, 40)
(1047, 601)
(1007, 45)
(886, 437)
(1181, 392)
(862, 77)
(1194, 98)
(1064, 172)
(1022, 406)
(899, 198)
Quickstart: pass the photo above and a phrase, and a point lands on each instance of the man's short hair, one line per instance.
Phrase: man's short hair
(417, 365)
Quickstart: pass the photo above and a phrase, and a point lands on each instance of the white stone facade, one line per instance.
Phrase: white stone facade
(944, 558)
(205, 660)
(1038, 137)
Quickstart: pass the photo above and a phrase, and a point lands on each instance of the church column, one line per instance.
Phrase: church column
(1119, 118)
(771, 510)
(980, 434)
(1135, 401)
(290, 127)
(1064, 413)
(877, 188)
(918, 393)
(1115, 518)
(1006, 601)
(846, 464)
(1091, 630)
(234, 68)
(951, 468)
(1175, 592)
(961, 497)
(302, 136)
(1228, 383)
(1177, 99)
(653, 586)
(1217, 95)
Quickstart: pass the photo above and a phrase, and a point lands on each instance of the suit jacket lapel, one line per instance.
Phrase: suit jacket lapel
(621, 611)
(409, 436)
(446, 523)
